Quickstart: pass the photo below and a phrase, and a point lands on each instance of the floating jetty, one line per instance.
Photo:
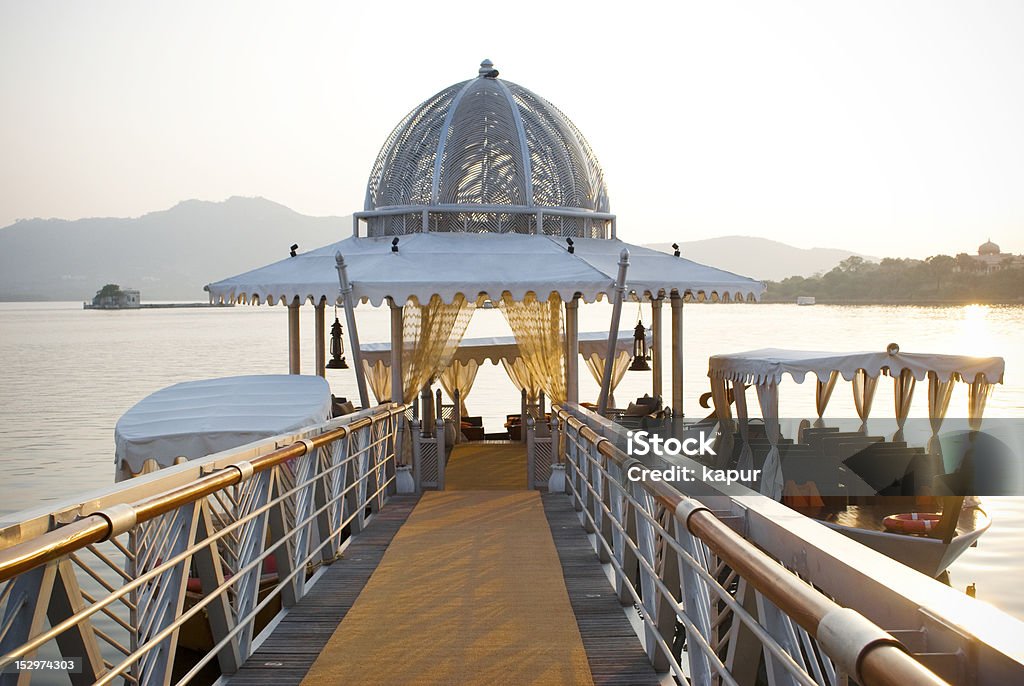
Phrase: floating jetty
(384, 547)
(584, 578)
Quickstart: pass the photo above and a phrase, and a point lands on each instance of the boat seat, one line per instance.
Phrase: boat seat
(884, 475)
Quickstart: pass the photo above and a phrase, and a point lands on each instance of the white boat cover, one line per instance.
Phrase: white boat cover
(496, 348)
(447, 264)
(760, 367)
(198, 418)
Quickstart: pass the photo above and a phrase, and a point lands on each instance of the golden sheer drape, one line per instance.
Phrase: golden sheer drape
(720, 399)
(939, 393)
(822, 394)
(459, 376)
(537, 326)
(903, 393)
(430, 335)
(977, 396)
(522, 379)
(595, 363)
(378, 376)
(863, 395)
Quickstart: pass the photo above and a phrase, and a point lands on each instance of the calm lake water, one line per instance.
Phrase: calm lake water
(68, 374)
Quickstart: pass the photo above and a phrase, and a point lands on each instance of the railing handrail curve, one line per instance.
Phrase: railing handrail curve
(865, 650)
(99, 526)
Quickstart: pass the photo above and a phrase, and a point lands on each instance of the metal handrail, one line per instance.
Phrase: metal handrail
(856, 644)
(309, 496)
(100, 526)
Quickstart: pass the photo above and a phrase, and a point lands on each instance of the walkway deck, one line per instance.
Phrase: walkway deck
(475, 587)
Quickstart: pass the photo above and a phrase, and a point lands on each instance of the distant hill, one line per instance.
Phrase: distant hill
(760, 258)
(167, 255)
(172, 254)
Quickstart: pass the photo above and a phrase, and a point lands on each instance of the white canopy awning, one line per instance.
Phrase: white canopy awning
(497, 348)
(199, 418)
(759, 367)
(447, 264)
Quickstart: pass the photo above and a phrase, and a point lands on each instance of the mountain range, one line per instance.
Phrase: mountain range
(167, 255)
(171, 254)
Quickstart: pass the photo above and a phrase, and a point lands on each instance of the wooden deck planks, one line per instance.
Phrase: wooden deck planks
(614, 653)
(288, 653)
(613, 649)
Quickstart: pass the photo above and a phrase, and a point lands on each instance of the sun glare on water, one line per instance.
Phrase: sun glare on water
(975, 332)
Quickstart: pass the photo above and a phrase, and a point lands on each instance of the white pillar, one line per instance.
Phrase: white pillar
(353, 333)
(397, 388)
(656, 367)
(320, 348)
(677, 354)
(293, 336)
(613, 331)
(572, 351)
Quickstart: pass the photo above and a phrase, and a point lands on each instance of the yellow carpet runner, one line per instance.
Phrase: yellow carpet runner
(486, 466)
(470, 591)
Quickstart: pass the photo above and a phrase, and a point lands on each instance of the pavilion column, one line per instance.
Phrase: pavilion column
(572, 351)
(320, 349)
(676, 302)
(397, 388)
(656, 367)
(613, 331)
(353, 332)
(293, 336)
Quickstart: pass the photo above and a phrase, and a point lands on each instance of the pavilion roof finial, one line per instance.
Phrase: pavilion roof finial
(487, 70)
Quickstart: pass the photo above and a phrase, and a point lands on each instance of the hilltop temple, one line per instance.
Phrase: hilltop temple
(993, 259)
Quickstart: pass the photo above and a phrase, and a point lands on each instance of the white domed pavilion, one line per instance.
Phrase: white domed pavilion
(485, 194)
(487, 155)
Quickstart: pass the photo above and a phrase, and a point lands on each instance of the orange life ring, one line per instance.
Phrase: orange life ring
(912, 522)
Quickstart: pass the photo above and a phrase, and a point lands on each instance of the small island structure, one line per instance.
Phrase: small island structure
(113, 297)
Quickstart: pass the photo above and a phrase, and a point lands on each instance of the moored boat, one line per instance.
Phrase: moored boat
(851, 480)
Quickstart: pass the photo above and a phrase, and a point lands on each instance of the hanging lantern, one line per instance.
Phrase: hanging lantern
(640, 353)
(337, 345)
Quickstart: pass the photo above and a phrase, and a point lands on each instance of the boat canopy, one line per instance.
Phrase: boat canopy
(197, 418)
(480, 265)
(765, 368)
(769, 364)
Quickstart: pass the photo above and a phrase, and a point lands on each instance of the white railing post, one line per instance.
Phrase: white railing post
(417, 454)
(441, 454)
(531, 450)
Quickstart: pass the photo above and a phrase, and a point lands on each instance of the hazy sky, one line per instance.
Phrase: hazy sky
(888, 127)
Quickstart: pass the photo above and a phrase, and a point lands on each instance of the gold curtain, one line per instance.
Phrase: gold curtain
(459, 376)
(977, 396)
(863, 394)
(379, 378)
(720, 397)
(522, 378)
(537, 326)
(595, 363)
(939, 393)
(903, 392)
(430, 335)
(822, 394)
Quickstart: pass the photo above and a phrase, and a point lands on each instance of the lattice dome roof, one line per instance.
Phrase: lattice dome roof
(487, 142)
